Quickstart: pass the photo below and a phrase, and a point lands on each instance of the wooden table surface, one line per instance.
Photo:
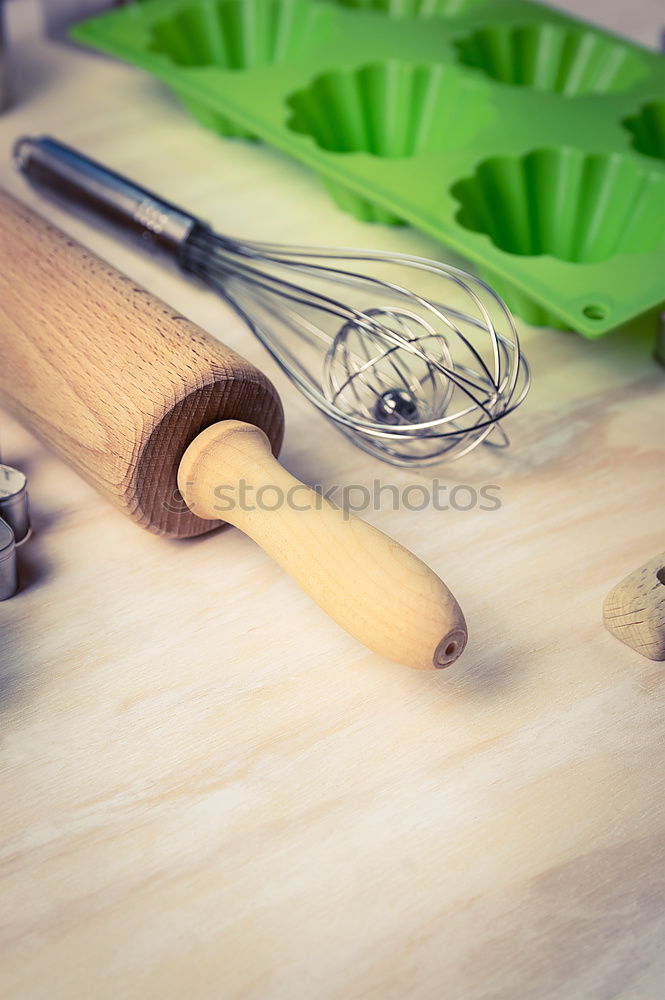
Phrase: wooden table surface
(209, 791)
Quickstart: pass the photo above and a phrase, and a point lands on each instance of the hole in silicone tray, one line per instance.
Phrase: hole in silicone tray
(550, 57)
(595, 312)
(241, 34)
(563, 202)
(390, 109)
(648, 129)
(415, 8)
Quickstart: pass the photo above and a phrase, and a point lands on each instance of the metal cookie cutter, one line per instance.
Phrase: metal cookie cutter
(14, 526)
(4, 70)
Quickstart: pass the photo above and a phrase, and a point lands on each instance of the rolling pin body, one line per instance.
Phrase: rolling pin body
(111, 378)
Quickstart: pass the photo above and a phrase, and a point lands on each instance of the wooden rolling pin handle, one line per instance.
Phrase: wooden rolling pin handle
(380, 593)
(634, 611)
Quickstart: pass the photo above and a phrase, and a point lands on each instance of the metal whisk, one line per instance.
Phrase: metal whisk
(408, 378)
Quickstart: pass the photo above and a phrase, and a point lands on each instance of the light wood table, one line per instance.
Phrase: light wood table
(229, 798)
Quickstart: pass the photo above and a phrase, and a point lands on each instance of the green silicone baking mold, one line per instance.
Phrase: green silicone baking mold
(528, 142)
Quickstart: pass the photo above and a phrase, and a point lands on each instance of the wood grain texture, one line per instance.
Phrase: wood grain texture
(111, 378)
(207, 791)
(634, 610)
(380, 593)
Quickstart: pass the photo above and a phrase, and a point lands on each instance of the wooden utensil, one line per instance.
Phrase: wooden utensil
(122, 388)
(634, 611)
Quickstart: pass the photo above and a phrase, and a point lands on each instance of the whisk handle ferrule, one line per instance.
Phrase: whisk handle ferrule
(93, 190)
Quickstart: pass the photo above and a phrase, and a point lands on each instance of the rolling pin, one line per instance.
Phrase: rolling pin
(150, 409)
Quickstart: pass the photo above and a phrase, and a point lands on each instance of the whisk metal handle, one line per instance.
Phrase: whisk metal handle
(92, 189)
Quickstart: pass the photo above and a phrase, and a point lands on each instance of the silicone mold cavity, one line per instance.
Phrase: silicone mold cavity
(237, 35)
(562, 202)
(414, 8)
(550, 57)
(390, 109)
(241, 34)
(648, 129)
